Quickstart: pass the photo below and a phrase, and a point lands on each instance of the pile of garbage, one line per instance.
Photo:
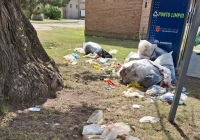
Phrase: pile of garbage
(150, 68)
(153, 69)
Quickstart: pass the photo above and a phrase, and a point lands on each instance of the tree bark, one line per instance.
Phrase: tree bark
(26, 71)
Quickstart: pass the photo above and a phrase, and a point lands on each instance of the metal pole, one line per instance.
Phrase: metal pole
(186, 59)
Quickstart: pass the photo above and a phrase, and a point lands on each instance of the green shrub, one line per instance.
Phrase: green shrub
(37, 17)
(53, 12)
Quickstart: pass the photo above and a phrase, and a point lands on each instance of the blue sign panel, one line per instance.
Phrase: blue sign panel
(167, 24)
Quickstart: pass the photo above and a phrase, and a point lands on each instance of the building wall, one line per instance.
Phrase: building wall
(73, 8)
(113, 18)
(146, 8)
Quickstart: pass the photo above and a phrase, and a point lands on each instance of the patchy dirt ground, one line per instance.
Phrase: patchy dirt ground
(62, 117)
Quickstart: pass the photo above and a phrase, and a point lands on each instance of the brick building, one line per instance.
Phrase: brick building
(117, 18)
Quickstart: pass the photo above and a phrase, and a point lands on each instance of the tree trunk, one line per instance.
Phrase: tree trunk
(26, 71)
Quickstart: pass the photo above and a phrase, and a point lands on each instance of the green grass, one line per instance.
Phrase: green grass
(49, 21)
(65, 40)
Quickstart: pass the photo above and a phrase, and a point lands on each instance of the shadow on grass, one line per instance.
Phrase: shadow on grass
(192, 85)
(50, 123)
(180, 131)
(113, 42)
(163, 128)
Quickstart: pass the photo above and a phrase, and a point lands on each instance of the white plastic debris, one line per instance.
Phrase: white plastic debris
(114, 51)
(113, 130)
(184, 89)
(102, 60)
(74, 63)
(136, 106)
(80, 50)
(155, 89)
(168, 97)
(96, 117)
(93, 129)
(92, 55)
(149, 119)
(69, 58)
(133, 56)
(131, 138)
(145, 48)
(34, 109)
(130, 93)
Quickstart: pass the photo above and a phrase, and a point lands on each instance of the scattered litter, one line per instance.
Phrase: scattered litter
(131, 138)
(149, 100)
(76, 56)
(96, 67)
(168, 97)
(134, 84)
(103, 61)
(93, 129)
(112, 131)
(80, 50)
(110, 82)
(155, 90)
(110, 87)
(113, 51)
(34, 109)
(136, 106)
(184, 90)
(149, 119)
(96, 117)
(92, 55)
(50, 47)
(69, 58)
(130, 93)
(74, 63)
(90, 61)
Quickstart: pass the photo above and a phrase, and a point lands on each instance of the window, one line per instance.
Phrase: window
(70, 5)
(145, 4)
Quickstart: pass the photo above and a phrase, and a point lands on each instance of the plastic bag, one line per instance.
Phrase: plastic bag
(149, 119)
(91, 47)
(155, 90)
(133, 56)
(130, 93)
(96, 117)
(145, 48)
(113, 130)
(168, 97)
(141, 71)
(69, 58)
(93, 129)
(166, 60)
